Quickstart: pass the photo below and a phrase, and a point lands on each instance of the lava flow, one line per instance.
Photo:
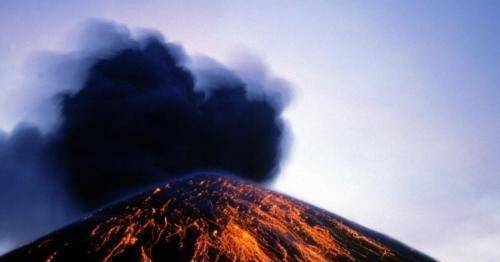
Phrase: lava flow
(213, 218)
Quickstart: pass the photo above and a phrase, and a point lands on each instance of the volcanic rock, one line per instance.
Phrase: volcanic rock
(214, 218)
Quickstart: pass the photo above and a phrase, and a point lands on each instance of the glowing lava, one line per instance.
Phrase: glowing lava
(211, 218)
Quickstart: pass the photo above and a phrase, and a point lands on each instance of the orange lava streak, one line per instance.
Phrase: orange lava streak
(255, 225)
(239, 244)
(211, 219)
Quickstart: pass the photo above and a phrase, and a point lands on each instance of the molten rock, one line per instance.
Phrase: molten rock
(211, 218)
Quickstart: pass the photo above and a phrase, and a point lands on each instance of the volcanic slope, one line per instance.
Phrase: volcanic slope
(214, 218)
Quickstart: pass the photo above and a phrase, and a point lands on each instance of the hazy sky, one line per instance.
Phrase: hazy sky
(396, 112)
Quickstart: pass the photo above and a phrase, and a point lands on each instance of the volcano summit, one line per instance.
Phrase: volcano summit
(213, 218)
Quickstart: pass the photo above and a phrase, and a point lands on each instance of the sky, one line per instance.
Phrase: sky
(396, 108)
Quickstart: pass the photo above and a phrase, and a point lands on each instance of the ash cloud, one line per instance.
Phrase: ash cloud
(136, 110)
(32, 201)
(139, 117)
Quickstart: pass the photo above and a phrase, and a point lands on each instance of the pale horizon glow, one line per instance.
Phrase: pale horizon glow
(396, 108)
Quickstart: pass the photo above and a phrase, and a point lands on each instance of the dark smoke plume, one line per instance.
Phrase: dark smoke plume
(138, 118)
(32, 202)
(135, 111)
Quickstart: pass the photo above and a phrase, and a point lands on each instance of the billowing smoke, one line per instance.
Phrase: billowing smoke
(32, 202)
(142, 111)
(139, 118)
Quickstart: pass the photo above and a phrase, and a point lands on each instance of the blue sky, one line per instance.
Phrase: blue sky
(396, 112)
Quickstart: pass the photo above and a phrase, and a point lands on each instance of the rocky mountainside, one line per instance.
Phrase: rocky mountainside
(214, 218)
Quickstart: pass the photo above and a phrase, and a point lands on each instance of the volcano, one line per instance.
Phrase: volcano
(214, 218)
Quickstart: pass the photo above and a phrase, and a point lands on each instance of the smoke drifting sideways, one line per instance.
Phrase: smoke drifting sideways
(32, 201)
(140, 111)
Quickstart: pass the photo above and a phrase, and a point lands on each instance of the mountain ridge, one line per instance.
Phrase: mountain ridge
(208, 217)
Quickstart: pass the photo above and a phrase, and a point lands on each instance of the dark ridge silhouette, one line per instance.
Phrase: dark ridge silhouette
(214, 218)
